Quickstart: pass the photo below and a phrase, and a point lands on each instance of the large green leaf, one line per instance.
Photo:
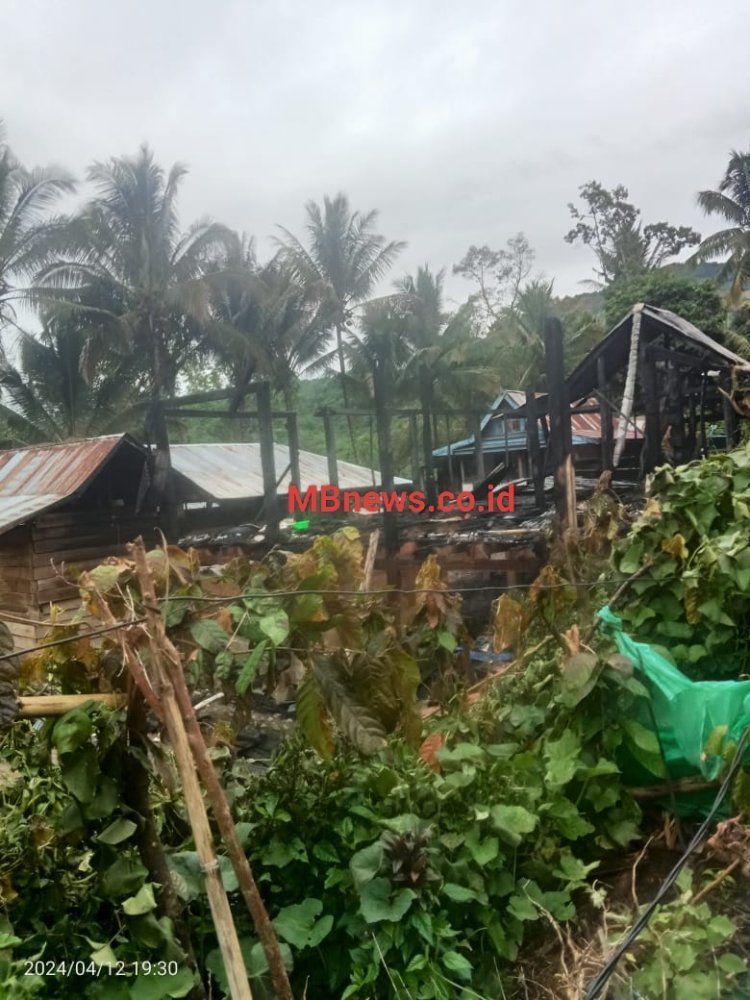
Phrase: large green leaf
(79, 772)
(250, 668)
(513, 822)
(298, 924)
(72, 730)
(379, 902)
(117, 832)
(458, 964)
(105, 800)
(156, 987)
(483, 850)
(209, 635)
(275, 626)
(366, 864)
(142, 902)
(312, 715)
(356, 721)
(123, 877)
(562, 758)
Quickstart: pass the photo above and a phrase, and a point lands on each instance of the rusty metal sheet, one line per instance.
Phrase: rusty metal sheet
(36, 478)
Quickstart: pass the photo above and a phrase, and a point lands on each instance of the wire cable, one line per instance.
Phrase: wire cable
(608, 970)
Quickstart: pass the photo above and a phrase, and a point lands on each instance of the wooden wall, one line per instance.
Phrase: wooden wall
(35, 559)
(17, 585)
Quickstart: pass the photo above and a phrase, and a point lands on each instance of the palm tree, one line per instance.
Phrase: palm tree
(522, 332)
(46, 396)
(732, 202)
(127, 243)
(442, 355)
(29, 236)
(267, 323)
(342, 263)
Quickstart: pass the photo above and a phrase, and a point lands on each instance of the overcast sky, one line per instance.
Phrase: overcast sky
(462, 122)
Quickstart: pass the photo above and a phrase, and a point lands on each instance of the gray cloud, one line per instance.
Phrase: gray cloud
(461, 123)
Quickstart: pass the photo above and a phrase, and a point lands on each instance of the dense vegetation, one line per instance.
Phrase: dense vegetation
(398, 856)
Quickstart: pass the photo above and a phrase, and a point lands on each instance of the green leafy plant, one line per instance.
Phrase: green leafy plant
(684, 951)
(694, 601)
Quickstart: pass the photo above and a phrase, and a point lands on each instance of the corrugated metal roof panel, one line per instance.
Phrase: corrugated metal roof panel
(233, 471)
(34, 479)
(586, 428)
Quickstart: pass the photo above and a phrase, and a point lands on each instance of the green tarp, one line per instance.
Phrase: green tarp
(697, 721)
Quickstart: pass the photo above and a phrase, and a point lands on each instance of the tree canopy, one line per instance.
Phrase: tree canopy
(132, 305)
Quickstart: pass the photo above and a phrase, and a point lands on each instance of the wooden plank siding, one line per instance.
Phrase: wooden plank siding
(36, 557)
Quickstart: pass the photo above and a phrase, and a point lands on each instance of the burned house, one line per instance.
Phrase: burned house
(655, 389)
(503, 452)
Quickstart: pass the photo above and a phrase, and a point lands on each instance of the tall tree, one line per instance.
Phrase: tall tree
(268, 323)
(342, 263)
(732, 202)
(499, 274)
(624, 247)
(29, 235)
(127, 242)
(441, 363)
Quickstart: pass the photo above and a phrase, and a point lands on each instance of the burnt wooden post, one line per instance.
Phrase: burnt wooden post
(451, 477)
(293, 436)
(416, 469)
(330, 434)
(163, 479)
(692, 431)
(535, 456)
(428, 435)
(731, 423)
(268, 461)
(649, 382)
(478, 449)
(385, 455)
(561, 434)
(702, 415)
(605, 414)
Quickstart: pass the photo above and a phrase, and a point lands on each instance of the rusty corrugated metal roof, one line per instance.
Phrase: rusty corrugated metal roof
(589, 425)
(233, 471)
(37, 478)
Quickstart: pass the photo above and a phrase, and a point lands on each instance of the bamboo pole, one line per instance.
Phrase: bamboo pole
(234, 963)
(173, 679)
(226, 932)
(41, 706)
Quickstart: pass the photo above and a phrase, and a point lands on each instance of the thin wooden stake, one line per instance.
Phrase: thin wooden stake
(372, 550)
(173, 674)
(226, 932)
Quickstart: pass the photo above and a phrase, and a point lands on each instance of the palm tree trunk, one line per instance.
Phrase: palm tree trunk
(426, 401)
(344, 394)
(163, 483)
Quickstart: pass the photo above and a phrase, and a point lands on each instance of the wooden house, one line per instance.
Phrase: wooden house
(676, 407)
(504, 451)
(71, 504)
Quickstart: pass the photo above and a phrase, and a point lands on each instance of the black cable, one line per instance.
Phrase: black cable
(606, 973)
(414, 590)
